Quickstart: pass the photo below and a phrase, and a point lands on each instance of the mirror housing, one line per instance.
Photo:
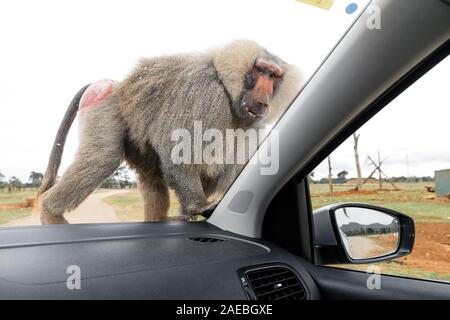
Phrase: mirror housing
(330, 247)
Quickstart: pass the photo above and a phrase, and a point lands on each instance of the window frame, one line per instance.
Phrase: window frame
(379, 104)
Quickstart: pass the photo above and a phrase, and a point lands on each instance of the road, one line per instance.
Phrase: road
(92, 210)
(364, 248)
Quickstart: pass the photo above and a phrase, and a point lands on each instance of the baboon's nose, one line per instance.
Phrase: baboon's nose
(262, 105)
(257, 109)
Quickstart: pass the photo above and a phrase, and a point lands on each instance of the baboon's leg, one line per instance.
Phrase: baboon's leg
(156, 197)
(188, 186)
(78, 182)
(209, 186)
(99, 155)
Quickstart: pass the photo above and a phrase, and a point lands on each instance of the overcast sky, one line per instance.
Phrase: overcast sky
(52, 48)
(412, 133)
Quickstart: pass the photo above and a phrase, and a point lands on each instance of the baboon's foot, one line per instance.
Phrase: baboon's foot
(53, 219)
(193, 211)
(179, 217)
(209, 209)
(211, 206)
(46, 218)
(183, 218)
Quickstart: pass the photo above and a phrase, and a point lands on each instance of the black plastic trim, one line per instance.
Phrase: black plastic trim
(340, 255)
(242, 273)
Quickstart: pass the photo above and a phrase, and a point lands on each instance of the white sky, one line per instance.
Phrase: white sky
(412, 132)
(50, 49)
(362, 216)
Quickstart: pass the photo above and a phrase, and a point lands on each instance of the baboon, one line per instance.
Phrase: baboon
(240, 85)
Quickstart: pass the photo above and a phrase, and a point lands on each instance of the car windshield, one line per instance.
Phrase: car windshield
(118, 164)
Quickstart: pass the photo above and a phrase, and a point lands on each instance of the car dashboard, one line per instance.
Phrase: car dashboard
(165, 260)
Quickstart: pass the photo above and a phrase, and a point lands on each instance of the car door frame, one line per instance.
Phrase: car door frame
(297, 216)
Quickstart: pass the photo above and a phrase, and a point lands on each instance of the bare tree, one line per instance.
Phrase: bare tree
(330, 175)
(377, 167)
(359, 184)
(380, 178)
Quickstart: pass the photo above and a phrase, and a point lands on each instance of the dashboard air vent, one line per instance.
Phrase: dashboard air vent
(275, 283)
(206, 239)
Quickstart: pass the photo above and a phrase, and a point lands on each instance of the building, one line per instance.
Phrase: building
(442, 181)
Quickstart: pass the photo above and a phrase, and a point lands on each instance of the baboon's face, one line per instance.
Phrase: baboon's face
(260, 85)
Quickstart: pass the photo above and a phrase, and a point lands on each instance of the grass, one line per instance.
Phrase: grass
(13, 205)
(395, 269)
(16, 197)
(412, 199)
(13, 214)
(388, 268)
(130, 206)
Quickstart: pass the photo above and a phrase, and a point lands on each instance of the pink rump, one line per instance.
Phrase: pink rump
(95, 94)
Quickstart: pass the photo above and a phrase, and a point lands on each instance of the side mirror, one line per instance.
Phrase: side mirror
(360, 233)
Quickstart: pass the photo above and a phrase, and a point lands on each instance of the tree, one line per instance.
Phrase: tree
(330, 175)
(380, 179)
(2, 184)
(120, 179)
(36, 178)
(359, 184)
(110, 183)
(14, 184)
(123, 176)
(380, 171)
(343, 174)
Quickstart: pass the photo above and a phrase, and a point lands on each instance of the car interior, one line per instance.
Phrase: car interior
(260, 242)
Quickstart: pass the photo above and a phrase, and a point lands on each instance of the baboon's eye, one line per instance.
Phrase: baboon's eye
(259, 69)
(249, 82)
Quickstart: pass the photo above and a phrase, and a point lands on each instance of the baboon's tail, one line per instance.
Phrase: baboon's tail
(58, 146)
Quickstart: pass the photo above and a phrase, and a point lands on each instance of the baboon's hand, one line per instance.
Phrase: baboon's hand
(182, 218)
(193, 215)
(210, 209)
(193, 210)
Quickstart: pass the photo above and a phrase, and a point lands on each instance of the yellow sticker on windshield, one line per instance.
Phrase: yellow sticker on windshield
(324, 4)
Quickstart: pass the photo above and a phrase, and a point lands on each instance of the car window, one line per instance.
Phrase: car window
(52, 49)
(400, 160)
